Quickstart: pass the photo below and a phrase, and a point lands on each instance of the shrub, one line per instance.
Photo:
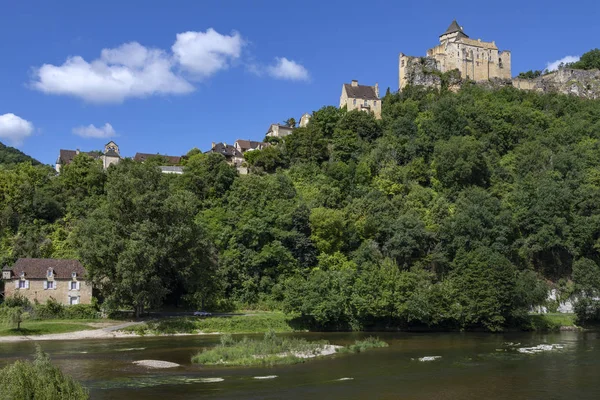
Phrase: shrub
(362, 345)
(25, 380)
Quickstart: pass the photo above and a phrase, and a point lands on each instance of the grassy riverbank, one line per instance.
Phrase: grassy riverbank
(273, 350)
(550, 322)
(44, 327)
(251, 323)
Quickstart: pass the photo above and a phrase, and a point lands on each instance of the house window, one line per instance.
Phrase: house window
(73, 300)
(50, 284)
(73, 275)
(375, 103)
(21, 284)
(354, 102)
(22, 274)
(73, 285)
(49, 273)
(366, 103)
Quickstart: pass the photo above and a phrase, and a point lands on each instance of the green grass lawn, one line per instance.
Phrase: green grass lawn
(550, 321)
(44, 327)
(255, 323)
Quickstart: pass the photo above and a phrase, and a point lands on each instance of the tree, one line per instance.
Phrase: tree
(26, 380)
(325, 120)
(290, 122)
(142, 243)
(459, 163)
(589, 60)
(306, 145)
(267, 160)
(15, 316)
(362, 123)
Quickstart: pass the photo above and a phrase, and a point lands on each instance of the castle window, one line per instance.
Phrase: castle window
(402, 63)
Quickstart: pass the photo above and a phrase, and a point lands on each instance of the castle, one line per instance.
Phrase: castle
(473, 59)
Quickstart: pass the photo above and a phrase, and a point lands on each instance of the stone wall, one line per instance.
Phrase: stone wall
(36, 290)
(418, 71)
(581, 83)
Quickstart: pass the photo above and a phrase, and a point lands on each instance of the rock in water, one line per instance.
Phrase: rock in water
(156, 364)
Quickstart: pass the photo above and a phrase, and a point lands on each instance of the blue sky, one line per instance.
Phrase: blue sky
(167, 76)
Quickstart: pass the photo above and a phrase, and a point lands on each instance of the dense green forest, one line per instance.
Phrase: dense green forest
(10, 155)
(456, 210)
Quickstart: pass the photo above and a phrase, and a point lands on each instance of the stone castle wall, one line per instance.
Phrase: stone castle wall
(577, 82)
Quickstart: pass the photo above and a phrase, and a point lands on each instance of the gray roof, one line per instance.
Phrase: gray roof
(454, 27)
(361, 92)
(112, 153)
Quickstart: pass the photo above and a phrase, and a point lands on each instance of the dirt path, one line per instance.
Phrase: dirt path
(108, 332)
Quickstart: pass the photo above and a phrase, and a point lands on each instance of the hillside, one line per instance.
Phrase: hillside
(10, 155)
(456, 210)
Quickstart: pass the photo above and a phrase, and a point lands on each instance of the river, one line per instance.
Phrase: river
(471, 366)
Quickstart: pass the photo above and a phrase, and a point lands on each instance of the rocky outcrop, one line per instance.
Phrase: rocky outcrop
(577, 82)
(422, 71)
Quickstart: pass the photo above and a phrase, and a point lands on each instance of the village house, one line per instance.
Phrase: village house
(39, 279)
(232, 155)
(279, 131)
(304, 120)
(248, 145)
(111, 155)
(361, 97)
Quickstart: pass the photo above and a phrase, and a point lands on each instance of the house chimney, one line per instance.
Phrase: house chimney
(354, 82)
(377, 89)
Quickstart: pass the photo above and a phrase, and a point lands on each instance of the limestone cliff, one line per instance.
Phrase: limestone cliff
(581, 83)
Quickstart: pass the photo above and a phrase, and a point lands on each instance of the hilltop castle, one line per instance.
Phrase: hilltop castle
(474, 59)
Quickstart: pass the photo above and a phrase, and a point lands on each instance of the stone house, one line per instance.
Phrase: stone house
(232, 155)
(40, 279)
(304, 120)
(473, 59)
(279, 131)
(361, 97)
(248, 145)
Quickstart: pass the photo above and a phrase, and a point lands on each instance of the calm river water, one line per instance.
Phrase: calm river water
(472, 366)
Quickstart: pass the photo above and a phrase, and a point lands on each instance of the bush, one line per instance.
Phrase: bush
(587, 311)
(51, 310)
(362, 345)
(25, 380)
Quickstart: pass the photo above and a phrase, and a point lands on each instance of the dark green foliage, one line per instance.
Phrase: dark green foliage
(10, 156)
(452, 211)
(26, 380)
(530, 74)
(589, 60)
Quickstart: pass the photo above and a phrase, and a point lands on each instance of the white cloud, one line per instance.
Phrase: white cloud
(130, 70)
(287, 69)
(552, 66)
(14, 129)
(91, 131)
(205, 53)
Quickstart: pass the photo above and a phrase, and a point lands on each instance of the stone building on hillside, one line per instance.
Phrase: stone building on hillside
(39, 279)
(248, 145)
(360, 97)
(474, 59)
(109, 156)
(304, 120)
(232, 155)
(279, 131)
